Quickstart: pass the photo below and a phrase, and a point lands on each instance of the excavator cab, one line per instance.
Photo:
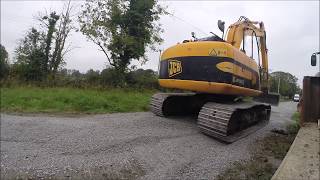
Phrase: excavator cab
(211, 38)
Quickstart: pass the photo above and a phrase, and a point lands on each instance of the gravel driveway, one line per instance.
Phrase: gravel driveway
(119, 146)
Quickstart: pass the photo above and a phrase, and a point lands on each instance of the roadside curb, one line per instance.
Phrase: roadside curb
(303, 158)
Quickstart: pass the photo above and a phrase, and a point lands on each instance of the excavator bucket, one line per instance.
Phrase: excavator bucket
(270, 98)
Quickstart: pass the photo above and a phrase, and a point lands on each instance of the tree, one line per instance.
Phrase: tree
(122, 29)
(288, 83)
(52, 20)
(143, 78)
(108, 76)
(4, 64)
(56, 37)
(41, 52)
(92, 77)
(30, 55)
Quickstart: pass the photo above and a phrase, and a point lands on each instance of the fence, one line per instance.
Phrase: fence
(310, 111)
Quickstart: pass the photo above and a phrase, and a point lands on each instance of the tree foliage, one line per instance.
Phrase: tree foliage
(143, 78)
(40, 53)
(4, 65)
(288, 83)
(122, 29)
(30, 56)
(51, 25)
(139, 78)
(63, 31)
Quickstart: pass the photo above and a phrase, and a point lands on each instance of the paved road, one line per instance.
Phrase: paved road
(120, 146)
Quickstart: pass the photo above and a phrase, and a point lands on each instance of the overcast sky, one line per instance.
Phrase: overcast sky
(292, 30)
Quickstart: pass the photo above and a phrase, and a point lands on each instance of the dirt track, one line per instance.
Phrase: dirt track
(120, 146)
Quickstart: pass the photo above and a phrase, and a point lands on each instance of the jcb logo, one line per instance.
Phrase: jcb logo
(174, 67)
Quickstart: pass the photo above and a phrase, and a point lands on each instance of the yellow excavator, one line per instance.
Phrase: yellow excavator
(216, 76)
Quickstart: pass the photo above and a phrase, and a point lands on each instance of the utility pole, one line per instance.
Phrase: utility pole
(159, 62)
(279, 86)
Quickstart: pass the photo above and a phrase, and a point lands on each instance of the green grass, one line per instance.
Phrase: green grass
(259, 169)
(294, 127)
(267, 155)
(71, 100)
(265, 161)
(296, 117)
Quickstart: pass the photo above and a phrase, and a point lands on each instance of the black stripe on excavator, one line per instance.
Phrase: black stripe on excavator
(203, 68)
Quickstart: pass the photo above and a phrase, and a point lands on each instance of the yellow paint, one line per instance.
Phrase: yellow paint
(249, 28)
(235, 70)
(254, 80)
(198, 48)
(226, 67)
(242, 58)
(242, 72)
(209, 48)
(208, 87)
(221, 52)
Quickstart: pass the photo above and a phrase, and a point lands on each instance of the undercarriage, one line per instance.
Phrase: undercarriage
(226, 118)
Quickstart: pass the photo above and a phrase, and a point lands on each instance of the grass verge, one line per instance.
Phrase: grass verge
(267, 157)
(71, 100)
(294, 127)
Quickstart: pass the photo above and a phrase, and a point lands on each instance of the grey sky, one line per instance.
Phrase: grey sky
(292, 30)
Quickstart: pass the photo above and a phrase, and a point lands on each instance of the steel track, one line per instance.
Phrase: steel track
(217, 120)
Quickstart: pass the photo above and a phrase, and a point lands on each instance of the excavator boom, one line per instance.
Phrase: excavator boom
(244, 27)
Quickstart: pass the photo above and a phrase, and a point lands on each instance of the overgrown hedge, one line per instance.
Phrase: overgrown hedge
(139, 79)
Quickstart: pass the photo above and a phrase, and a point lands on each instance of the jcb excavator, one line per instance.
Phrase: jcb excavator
(218, 75)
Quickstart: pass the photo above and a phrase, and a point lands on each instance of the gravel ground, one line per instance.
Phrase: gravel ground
(120, 146)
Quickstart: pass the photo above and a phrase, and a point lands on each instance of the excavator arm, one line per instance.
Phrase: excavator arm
(244, 27)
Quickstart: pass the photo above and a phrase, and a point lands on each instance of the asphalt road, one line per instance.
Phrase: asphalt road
(120, 146)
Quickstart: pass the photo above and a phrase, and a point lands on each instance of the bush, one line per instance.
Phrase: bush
(294, 128)
(107, 78)
(143, 79)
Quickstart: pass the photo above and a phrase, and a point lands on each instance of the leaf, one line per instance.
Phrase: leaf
(122, 29)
